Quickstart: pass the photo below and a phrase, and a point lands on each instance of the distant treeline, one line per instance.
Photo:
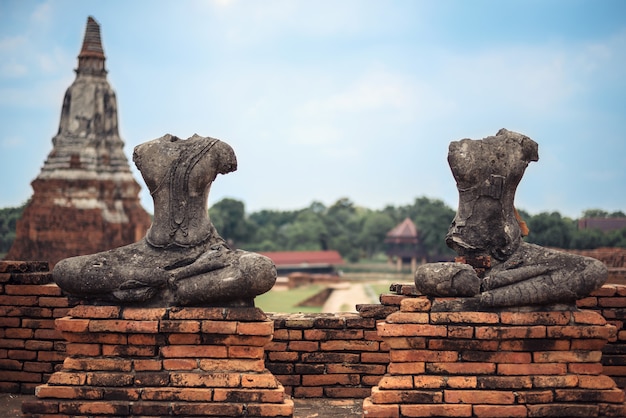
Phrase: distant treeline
(358, 232)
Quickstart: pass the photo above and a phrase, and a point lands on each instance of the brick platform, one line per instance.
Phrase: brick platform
(494, 364)
(163, 362)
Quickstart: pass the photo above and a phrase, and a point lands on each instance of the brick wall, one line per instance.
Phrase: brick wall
(313, 355)
(30, 347)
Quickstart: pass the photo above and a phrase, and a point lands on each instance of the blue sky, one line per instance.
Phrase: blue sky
(329, 99)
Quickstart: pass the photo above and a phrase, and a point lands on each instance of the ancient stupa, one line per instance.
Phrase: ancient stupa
(85, 197)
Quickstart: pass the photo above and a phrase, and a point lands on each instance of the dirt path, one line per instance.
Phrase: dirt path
(346, 297)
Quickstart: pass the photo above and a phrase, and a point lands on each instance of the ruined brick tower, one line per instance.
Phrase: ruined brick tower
(85, 198)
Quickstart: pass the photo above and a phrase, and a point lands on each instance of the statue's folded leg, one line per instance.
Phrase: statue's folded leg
(247, 275)
(447, 279)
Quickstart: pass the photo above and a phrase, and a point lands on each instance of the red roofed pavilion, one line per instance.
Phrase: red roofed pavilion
(305, 261)
(403, 244)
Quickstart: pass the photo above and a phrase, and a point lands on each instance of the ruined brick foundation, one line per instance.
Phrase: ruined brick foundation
(163, 362)
(510, 363)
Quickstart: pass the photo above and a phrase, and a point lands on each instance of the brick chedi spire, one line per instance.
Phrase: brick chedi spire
(85, 197)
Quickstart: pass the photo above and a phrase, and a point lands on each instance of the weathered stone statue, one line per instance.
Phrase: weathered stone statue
(498, 268)
(182, 260)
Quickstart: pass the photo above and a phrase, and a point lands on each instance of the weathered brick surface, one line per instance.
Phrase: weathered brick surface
(492, 364)
(147, 376)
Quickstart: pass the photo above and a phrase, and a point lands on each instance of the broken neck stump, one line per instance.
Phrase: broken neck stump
(157, 362)
(513, 363)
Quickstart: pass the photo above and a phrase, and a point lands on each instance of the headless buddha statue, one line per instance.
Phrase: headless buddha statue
(182, 260)
(496, 267)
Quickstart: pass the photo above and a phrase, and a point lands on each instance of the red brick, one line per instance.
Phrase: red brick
(203, 351)
(330, 379)
(36, 290)
(588, 344)
(426, 410)
(95, 408)
(103, 325)
(19, 333)
(68, 392)
(22, 354)
(232, 365)
(308, 392)
(397, 382)
(361, 369)
(307, 346)
(180, 364)
(129, 350)
(535, 396)
(266, 380)
(497, 356)
(144, 314)
(461, 382)
(243, 351)
(207, 409)
(147, 365)
(602, 332)
(100, 312)
(567, 356)
(38, 323)
(350, 345)
(464, 318)
(382, 410)
(72, 325)
(461, 368)
(512, 332)
(402, 356)
(588, 302)
(421, 304)
(618, 302)
(11, 343)
(406, 342)
(184, 339)
(37, 367)
(53, 302)
(408, 318)
(283, 356)
(411, 330)
(248, 395)
(588, 368)
(495, 411)
(346, 392)
(18, 300)
(534, 345)
(333, 334)
(20, 376)
(413, 396)
(429, 381)
(595, 382)
(532, 369)
(536, 318)
(219, 327)
(176, 394)
(555, 381)
(37, 345)
(178, 326)
(67, 378)
(48, 334)
(83, 349)
(460, 331)
(490, 397)
(368, 357)
(255, 328)
(51, 356)
(109, 379)
(588, 317)
(205, 379)
(406, 368)
(97, 364)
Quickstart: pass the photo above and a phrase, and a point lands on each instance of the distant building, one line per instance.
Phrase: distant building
(603, 224)
(403, 245)
(316, 262)
(85, 199)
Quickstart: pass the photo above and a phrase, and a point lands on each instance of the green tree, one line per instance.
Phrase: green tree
(550, 229)
(375, 227)
(8, 221)
(228, 216)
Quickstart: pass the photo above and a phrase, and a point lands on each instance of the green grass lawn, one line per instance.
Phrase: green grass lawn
(287, 300)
